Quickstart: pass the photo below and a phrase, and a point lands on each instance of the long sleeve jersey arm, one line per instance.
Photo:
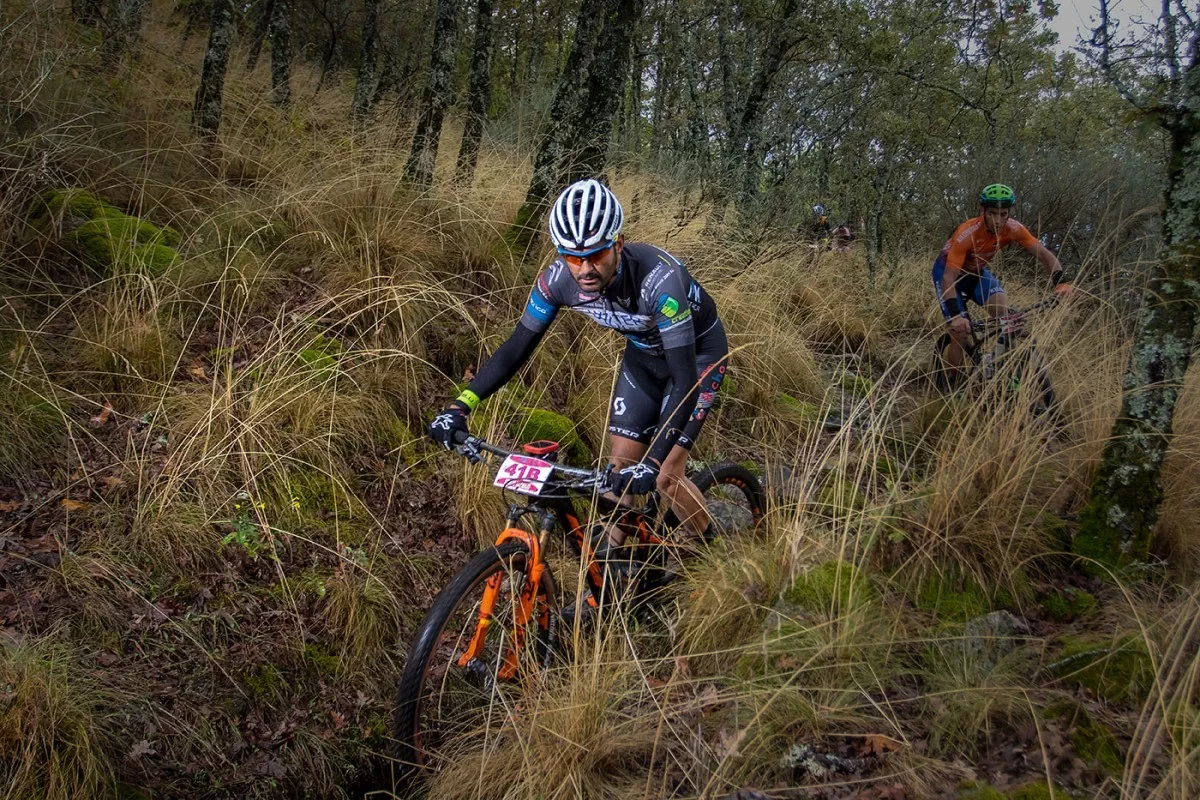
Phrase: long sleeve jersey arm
(508, 359)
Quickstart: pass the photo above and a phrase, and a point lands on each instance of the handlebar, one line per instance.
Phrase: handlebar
(472, 447)
(1013, 320)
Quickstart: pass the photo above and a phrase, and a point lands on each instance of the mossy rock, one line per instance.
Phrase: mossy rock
(958, 598)
(1037, 790)
(115, 241)
(939, 595)
(856, 385)
(321, 661)
(834, 586)
(1119, 672)
(1068, 604)
(533, 424)
(67, 203)
(800, 411)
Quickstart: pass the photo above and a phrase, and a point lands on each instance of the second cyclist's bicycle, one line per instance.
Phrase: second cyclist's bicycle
(1015, 362)
(500, 620)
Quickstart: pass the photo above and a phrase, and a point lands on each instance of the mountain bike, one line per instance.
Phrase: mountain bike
(500, 620)
(1016, 363)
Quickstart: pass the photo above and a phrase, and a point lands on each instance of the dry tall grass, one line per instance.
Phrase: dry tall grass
(264, 522)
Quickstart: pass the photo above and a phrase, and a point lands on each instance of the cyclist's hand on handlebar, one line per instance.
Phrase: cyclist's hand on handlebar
(449, 427)
(635, 479)
(959, 324)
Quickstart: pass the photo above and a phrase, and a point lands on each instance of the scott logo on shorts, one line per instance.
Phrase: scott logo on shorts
(619, 405)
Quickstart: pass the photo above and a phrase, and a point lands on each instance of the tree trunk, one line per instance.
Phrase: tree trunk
(606, 78)
(479, 94)
(206, 113)
(582, 113)
(124, 26)
(261, 26)
(368, 73)
(1115, 527)
(280, 34)
(741, 118)
(435, 98)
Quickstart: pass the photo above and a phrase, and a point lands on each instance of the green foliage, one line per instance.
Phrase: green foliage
(856, 385)
(265, 683)
(31, 428)
(832, 587)
(246, 533)
(939, 594)
(1119, 671)
(322, 355)
(533, 424)
(1067, 605)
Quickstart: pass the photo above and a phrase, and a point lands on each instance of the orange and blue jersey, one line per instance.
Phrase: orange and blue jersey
(970, 249)
(972, 246)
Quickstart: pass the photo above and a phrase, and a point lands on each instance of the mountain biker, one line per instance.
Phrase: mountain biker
(960, 272)
(675, 354)
(819, 227)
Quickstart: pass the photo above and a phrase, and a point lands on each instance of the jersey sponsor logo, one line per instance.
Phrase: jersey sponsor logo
(679, 319)
(668, 306)
(694, 293)
(539, 307)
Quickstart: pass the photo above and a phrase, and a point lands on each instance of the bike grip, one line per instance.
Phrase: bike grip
(460, 437)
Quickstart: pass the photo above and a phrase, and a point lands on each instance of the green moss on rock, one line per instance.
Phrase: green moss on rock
(1068, 604)
(834, 585)
(940, 595)
(532, 424)
(104, 237)
(797, 411)
(1118, 671)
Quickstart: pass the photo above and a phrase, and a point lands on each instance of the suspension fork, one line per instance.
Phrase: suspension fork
(530, 601)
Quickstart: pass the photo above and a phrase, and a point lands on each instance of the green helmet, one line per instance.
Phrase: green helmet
(997, 195)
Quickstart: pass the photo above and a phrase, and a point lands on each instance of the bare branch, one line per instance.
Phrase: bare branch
(1102, 40)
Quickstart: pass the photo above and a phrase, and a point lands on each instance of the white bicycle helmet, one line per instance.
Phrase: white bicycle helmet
(818, 209)
(585, 218)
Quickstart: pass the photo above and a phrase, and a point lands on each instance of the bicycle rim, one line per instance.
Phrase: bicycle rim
(445, 706)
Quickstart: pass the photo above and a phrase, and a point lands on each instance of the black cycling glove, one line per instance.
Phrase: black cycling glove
(446, 425)
(639, 478)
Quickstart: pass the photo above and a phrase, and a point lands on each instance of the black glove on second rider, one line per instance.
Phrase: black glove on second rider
(636, 479)
(447, 424)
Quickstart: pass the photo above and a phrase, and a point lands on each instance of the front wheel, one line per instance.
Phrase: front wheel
(733, 496)
(461, 675)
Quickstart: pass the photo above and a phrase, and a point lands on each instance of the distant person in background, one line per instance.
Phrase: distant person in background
(842, 237)
(819, 228)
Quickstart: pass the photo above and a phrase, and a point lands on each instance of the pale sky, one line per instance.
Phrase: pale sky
(1077, 16)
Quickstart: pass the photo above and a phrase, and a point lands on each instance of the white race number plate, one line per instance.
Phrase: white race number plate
(523, 474)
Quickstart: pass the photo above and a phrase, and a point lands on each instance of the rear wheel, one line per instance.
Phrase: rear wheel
(733, 496)
(445, 701)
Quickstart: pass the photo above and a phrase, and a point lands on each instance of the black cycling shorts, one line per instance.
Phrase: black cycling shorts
(637, 408)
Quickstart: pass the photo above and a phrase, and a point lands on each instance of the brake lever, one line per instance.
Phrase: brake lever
(470, 451)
